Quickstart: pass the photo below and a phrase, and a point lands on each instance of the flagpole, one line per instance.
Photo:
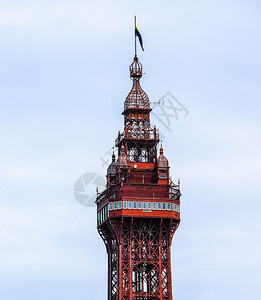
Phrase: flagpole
(135, 35)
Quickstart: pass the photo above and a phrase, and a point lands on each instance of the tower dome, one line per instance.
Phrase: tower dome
(123, 161)
(112, 169)
(163, 162)
(136, 98)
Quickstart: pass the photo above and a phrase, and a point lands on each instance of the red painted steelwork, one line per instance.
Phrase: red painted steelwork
(139, 211)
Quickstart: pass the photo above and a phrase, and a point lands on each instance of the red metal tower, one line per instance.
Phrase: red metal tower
(139, 211)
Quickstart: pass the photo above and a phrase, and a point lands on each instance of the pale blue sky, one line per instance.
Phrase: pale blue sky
(63, 81)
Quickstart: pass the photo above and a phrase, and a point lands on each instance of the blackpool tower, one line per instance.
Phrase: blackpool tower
(139, 211)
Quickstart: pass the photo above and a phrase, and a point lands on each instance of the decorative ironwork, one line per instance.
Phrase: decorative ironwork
(136, 98)
(163, 162)
(139, 259)
(138, 212)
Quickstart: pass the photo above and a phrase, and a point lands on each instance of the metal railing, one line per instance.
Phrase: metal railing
(143, 134)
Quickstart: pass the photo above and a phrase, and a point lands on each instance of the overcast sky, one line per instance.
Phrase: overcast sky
(63, 81)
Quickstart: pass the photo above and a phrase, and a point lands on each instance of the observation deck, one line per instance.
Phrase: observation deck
(139, 200)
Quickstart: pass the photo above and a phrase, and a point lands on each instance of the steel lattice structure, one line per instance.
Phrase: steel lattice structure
(139, 211)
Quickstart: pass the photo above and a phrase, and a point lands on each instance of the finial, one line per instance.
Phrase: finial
(178, 181)
(113, 155)
(161, 148)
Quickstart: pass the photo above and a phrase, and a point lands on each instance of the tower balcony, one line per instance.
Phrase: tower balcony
(140, 190)
(144, 135)
(139, 208)
(134, 200)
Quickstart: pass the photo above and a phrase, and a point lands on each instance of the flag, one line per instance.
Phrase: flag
(137, 33)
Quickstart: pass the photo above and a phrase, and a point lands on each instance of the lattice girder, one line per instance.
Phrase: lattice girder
(139, 263)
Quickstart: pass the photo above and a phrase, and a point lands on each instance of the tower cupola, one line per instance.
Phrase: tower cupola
(163, 168)
(136, 68)
(112, 171)
(163, 162)
(137, 98)
(123, 162)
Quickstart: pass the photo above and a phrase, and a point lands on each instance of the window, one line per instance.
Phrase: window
(119, 205)
(101, 215)
(149, 205)
(178, 208)
(124, 204)
(129, 205)
(163, 176)
(159, 206)
(173, 207)
(99, 218)
(111, 206)
(154, 206)
(144, 206)
(115, 205)
(106, 212)
(168, 206)
(134, 204)
(164, 205)
(139, 205)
